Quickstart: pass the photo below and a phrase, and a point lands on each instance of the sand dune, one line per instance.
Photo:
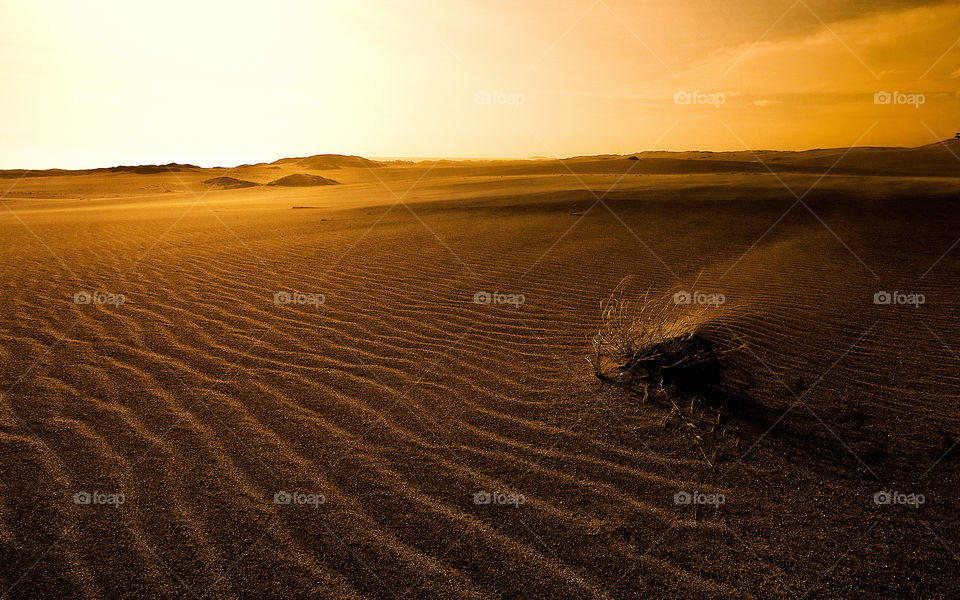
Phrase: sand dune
(302, 180)
(228, 183)
(378, 354)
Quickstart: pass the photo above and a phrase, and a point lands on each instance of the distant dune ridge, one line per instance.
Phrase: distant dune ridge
(151, 169)
(937, 159)
(323, 162)
(138, 169)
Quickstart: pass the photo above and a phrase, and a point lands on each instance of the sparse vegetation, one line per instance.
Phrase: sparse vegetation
(654, 346)
(647, 338)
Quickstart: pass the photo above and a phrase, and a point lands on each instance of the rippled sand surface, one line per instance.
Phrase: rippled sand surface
(383, 392)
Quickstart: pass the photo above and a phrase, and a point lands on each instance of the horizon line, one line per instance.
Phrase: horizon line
(418, 159)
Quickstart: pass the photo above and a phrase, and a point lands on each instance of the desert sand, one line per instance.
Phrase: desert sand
(195, 348)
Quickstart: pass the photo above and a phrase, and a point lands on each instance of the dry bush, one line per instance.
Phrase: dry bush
(651, 344)
(647, 337)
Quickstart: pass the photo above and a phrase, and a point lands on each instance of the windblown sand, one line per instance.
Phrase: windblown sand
(376, 383)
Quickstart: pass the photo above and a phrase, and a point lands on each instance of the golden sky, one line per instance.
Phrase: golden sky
(101, 83)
